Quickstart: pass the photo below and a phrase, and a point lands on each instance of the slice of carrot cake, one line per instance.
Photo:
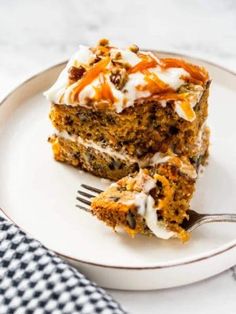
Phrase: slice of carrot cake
(153, 201)
(114, 109)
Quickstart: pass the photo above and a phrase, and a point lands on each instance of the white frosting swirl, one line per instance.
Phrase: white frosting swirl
(61, 91)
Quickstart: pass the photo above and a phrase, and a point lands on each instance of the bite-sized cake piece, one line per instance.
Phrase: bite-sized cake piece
(153, 201)
(113, 109)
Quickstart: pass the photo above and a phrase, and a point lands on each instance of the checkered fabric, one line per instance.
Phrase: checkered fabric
(35, 280)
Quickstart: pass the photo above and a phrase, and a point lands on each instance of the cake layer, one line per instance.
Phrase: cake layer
(103, 161)
(148, 127)
(154, 200)
(100, 162)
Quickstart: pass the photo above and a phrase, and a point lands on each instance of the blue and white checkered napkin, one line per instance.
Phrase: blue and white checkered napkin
(35, 280)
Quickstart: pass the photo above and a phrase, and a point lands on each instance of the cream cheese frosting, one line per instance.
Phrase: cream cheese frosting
(147, 209)
(97, 146)
(137, 70)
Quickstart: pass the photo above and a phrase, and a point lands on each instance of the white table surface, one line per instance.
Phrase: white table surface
(36, 34)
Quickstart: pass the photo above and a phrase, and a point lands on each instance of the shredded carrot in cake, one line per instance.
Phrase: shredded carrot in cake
(90, 76)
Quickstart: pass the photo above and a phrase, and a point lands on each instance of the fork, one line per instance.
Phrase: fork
(194, 221)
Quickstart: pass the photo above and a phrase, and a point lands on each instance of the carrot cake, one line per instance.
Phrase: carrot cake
(114, 110)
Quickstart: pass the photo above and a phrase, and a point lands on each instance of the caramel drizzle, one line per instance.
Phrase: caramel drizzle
(145, 63)
(89, 77)
(103, 91)
(154, 84)
(184, 102)
(197, 75)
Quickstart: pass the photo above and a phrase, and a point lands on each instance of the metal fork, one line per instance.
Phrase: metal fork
(85, 197)
(195, 219)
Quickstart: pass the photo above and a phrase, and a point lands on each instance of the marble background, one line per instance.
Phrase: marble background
(35, 34)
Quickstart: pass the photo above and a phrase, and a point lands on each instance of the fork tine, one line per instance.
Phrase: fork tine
(82, 200)
(85, 194)
(91, 188)
(83, 208)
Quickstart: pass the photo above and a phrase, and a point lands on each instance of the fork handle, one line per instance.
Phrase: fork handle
(220, 217)
(209, 218)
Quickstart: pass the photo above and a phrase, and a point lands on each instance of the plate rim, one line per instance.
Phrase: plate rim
(213, 253)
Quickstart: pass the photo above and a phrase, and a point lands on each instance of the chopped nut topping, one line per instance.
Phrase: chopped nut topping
(116, 55)
(119, 77)
(121, 63)
(134, 48)
(101, 51)
(103, 42)
(95, 60)
(76, 73)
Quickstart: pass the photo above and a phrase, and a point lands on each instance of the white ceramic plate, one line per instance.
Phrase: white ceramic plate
(38, 194)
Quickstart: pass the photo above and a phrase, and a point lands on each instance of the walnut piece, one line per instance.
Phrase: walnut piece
(76, 73)
(119, 77)
(103, 42)
(134, 48)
